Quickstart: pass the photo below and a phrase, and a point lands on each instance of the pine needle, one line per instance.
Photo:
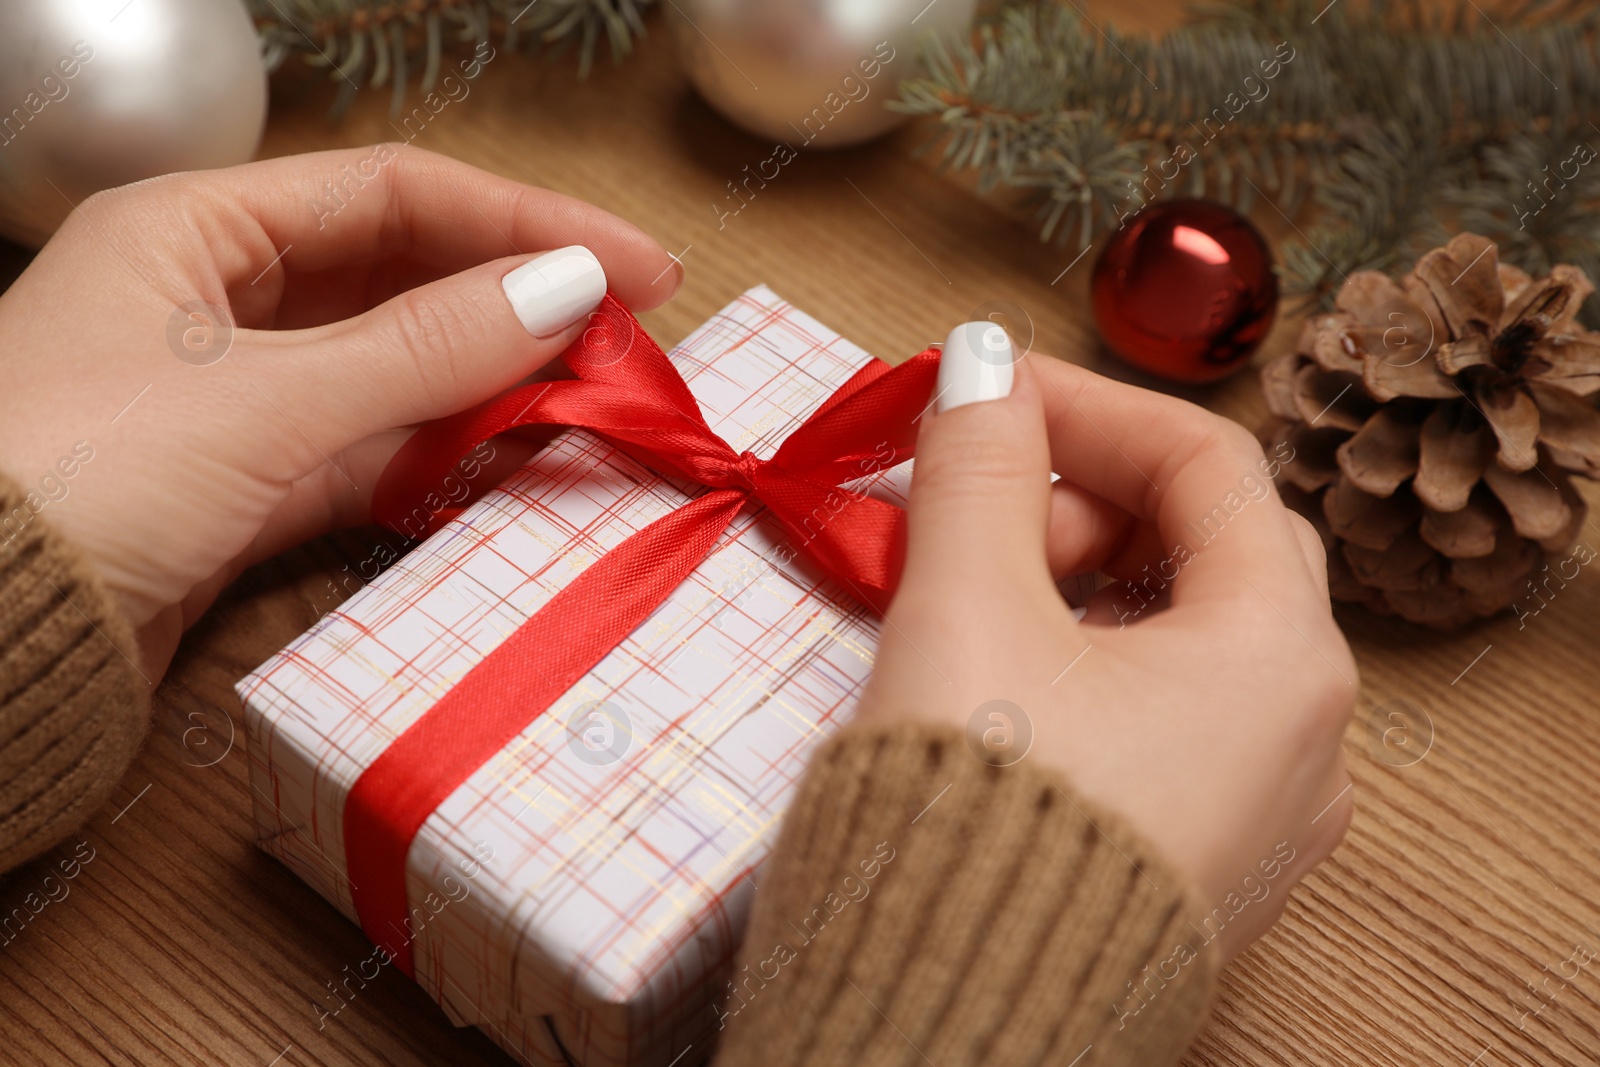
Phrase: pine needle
(1403, 120)
(371, 42)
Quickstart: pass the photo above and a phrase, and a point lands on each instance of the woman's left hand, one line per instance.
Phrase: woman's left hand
(205, 369)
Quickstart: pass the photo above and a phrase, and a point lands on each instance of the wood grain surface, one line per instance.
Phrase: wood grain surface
(1448, 930)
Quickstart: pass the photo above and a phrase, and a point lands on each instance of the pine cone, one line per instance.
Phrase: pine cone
(1436, 423)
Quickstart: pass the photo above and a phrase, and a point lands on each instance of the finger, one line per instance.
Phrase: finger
(980, 494)
(326, 210)
(1201, 479)
(1315, 552)
(337, 494)
(1085, 530)
(1090, 534)
(1128, 601)
(428, 352)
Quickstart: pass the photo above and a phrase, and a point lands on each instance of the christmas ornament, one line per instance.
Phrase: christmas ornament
(1185, 289)
(807, 72)
(99, 93)
(1436, 424)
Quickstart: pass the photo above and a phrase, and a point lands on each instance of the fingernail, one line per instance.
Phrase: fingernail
(552, 291)
(975, 365)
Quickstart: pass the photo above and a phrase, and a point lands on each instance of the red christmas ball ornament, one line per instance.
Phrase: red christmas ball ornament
(1185, 289)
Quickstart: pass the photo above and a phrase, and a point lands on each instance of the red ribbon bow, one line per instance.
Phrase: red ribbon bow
(628, 393)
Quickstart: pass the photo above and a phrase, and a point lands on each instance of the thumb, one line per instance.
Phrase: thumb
(439, 348)
(980, 493)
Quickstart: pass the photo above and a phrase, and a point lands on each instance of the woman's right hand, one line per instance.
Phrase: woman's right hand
(1204, 697)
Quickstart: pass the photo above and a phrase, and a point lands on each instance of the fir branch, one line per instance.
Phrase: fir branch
(1404, 119)
(386, 42)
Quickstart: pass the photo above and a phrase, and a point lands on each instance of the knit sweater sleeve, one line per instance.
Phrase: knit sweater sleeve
(73, 707)
(925, 907)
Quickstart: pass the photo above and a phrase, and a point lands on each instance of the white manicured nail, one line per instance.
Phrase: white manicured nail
(555, 290)
(976, 364)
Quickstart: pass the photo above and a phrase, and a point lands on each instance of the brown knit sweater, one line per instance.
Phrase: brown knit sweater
(73, 707)
(921, 906)
(925, 907)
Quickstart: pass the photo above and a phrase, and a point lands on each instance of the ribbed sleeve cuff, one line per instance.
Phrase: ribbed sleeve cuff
(73, 708)
(923, 906)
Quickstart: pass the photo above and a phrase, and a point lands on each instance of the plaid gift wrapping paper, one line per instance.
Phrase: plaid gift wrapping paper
(581, 896)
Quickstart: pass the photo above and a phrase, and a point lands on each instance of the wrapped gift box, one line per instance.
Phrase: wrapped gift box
(581, 896)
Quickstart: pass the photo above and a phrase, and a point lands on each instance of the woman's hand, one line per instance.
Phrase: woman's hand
(1204, 697)
(205, 369)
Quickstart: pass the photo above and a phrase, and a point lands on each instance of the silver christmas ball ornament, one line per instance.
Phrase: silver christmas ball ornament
(99, 93)
(808, 72)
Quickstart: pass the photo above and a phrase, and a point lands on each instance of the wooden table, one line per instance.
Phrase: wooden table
(1468, 880)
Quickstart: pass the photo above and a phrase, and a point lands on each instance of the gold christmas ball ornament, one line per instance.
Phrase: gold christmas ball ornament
(100, 93)
(1436, 423)
(811, 73)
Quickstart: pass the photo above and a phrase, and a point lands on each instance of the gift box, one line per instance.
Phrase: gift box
(580, 894)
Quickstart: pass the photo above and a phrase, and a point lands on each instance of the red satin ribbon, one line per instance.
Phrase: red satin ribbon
(628, 393)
